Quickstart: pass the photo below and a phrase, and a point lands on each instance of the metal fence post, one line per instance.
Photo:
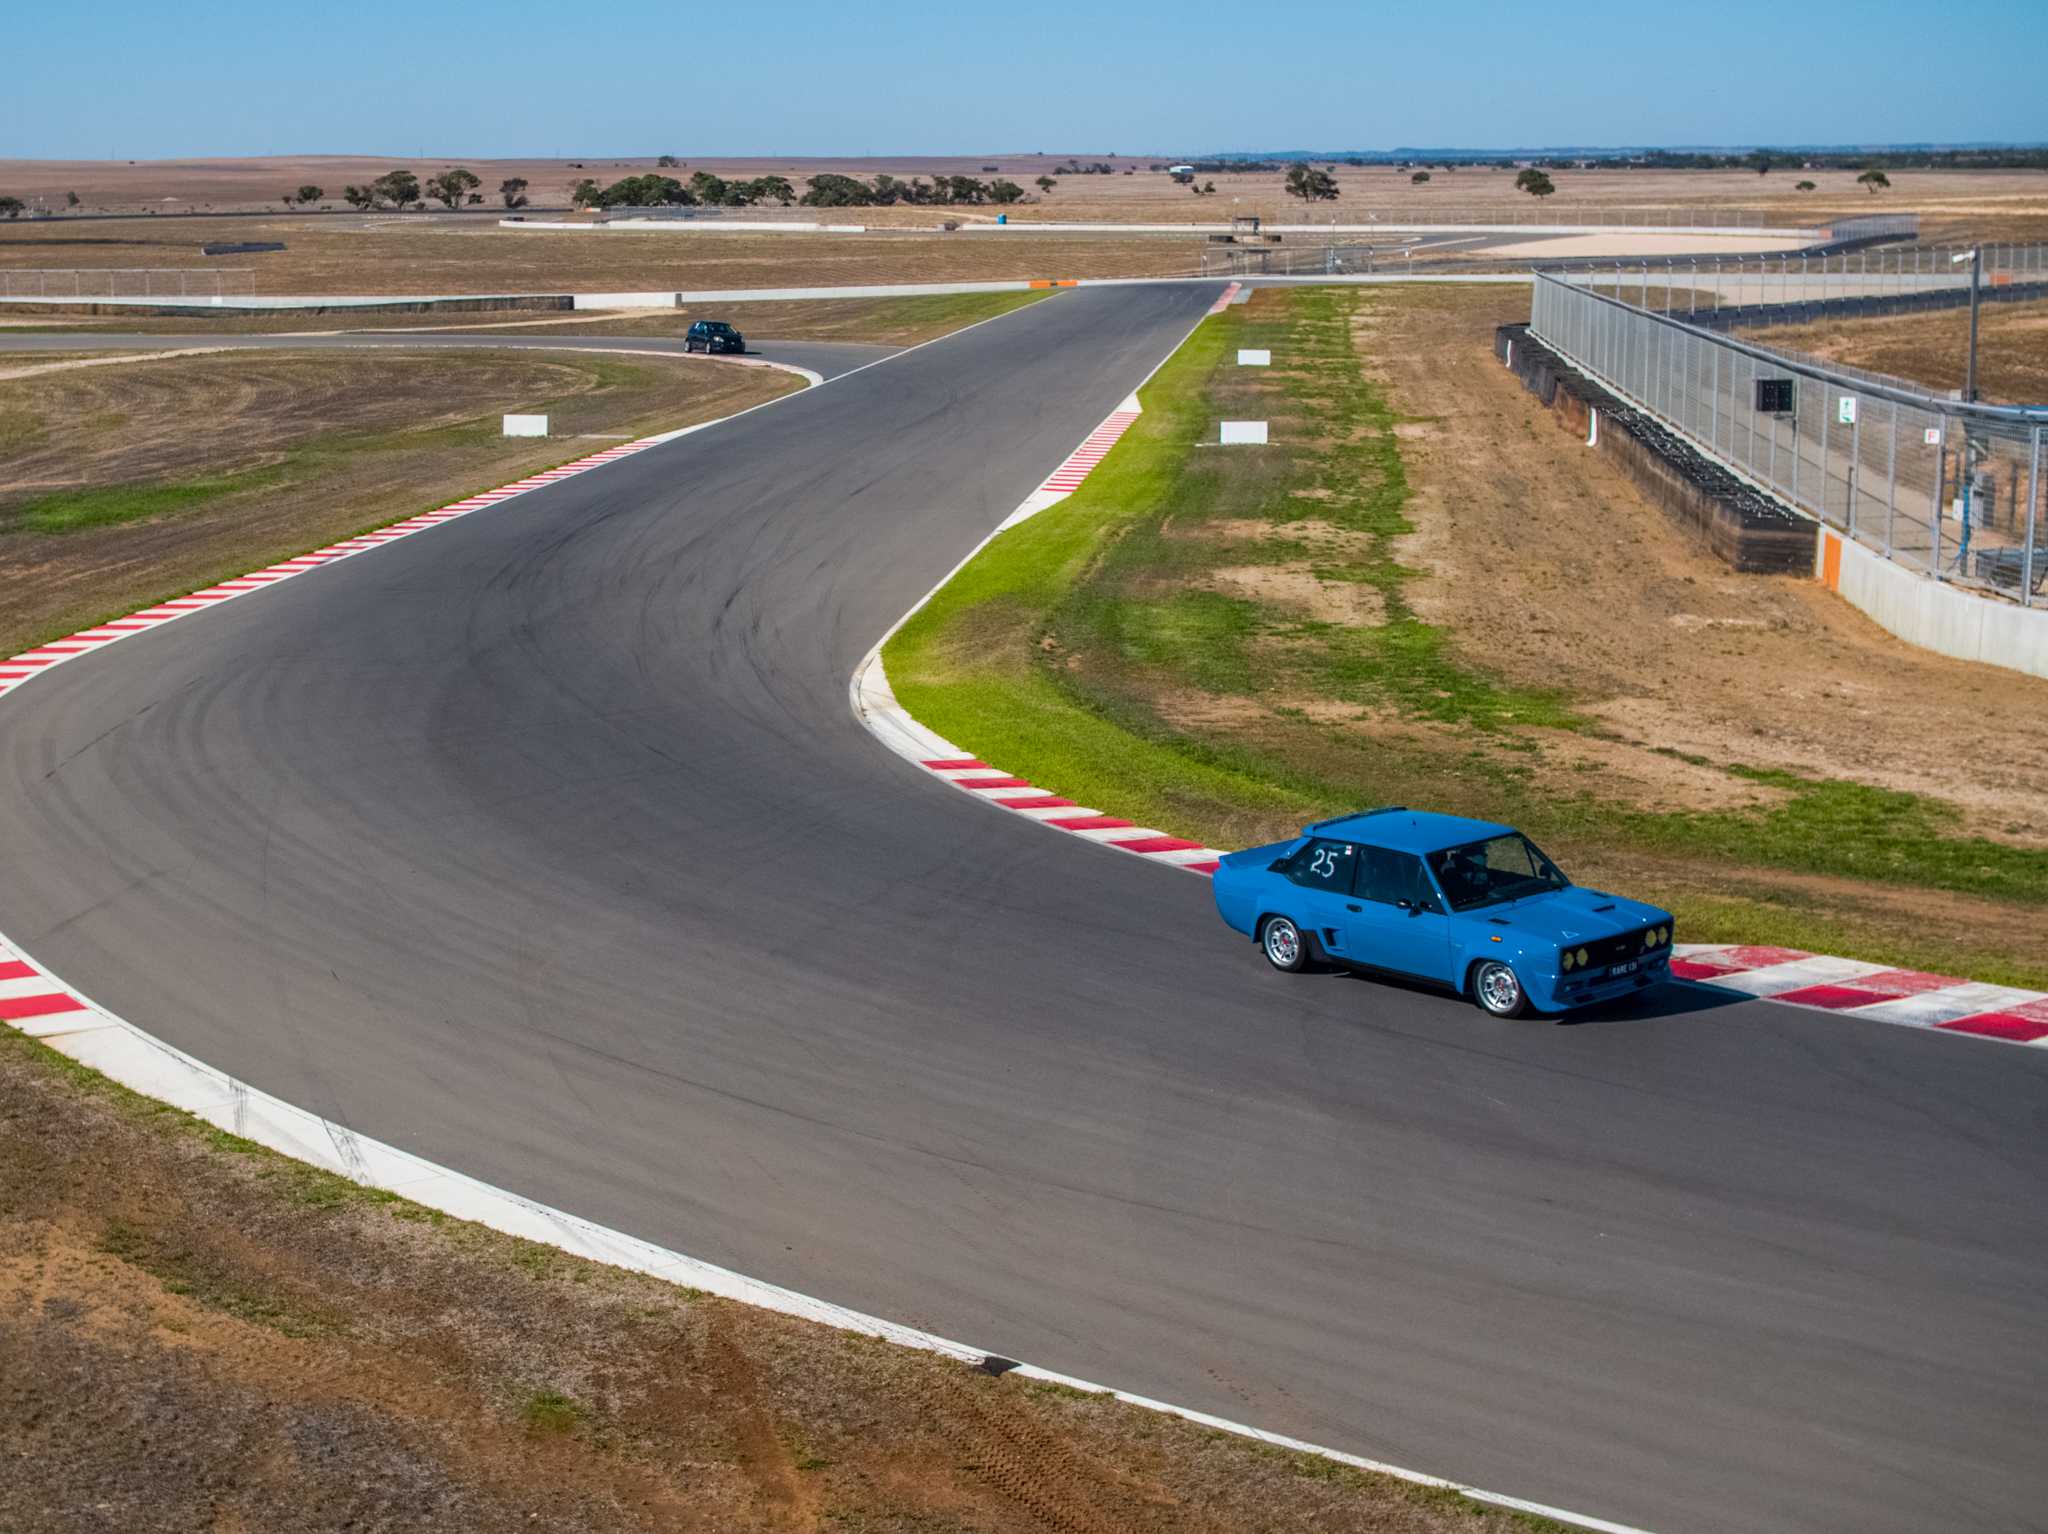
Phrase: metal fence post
(1798, 399)
(1891, 481)
(1855, 451)
(2033, 517)
(1940, 489)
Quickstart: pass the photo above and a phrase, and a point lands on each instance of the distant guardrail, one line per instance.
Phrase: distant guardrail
(71, 283)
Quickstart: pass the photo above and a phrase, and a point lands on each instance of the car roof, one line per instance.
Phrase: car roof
(1406, 830)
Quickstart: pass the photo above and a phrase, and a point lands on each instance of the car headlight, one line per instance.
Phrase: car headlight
(1566, 959)
(1581, 957)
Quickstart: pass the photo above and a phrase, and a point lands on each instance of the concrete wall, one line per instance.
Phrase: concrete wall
(1932, 614)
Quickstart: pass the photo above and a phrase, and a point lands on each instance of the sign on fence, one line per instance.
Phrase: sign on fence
(1774, 396)
(1845, 410)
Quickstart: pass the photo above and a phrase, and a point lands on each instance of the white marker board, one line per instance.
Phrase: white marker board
(1249, 357)
(526, 426)
(1243, 431)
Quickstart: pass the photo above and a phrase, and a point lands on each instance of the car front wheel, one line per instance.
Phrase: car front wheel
(1497, 988)
(1284, 946)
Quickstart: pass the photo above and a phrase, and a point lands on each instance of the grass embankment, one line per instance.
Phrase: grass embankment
(197, 1333)
(128, 485)
(1226, 643)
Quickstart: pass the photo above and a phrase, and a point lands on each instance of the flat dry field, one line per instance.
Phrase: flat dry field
(1933, 349)
(196, 1334)
(129, 483)
(416, 254)
(1997, 204)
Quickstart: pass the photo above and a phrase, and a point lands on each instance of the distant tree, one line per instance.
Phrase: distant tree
(474, 199)
(709, 189)
(513, 190)
(832, 190)
(648, 191)
(363, 197)
(1875, 179)
(586, 194)
(1310, 184)
(1046, 184)
(452, 186)
(1004, 191)
(12, 207)
(1804, 186)
(1762, 161)
(668, 162)
(310, 194)
(1419, 177)
(771, 189)
(70, 199)
(400, 188)
(1535, 183)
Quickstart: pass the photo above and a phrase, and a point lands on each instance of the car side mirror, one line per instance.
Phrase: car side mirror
(1412, 907)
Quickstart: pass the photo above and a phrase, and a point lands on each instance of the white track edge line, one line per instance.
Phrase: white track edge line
(146, 1064)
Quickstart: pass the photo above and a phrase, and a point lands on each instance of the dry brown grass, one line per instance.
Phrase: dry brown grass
(1933, 348)
(305, 448)
(411, 254)
(1993, 204)
(197, 1334)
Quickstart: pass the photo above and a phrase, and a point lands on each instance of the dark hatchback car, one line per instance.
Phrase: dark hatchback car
(713, 336)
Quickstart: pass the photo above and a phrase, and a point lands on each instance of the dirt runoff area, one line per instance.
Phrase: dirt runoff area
(196, 1334)
(126, 482)
(1933, 349)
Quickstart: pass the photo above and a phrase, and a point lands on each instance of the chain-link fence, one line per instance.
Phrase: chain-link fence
(1813, 280)
(127, 282)
(1423, 209)
(1950, 489)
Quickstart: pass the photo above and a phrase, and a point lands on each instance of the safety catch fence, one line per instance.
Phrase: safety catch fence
(1953, 490)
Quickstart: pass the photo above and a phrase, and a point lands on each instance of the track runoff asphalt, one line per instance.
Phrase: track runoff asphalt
(546, 845)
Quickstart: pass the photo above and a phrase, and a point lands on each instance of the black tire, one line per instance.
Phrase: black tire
(1498, 989)
(1286, 947)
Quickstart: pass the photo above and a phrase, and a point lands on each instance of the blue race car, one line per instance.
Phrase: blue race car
(1464, 904)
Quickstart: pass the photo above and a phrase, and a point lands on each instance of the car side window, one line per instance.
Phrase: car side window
(1395, 878)
(1324, 865)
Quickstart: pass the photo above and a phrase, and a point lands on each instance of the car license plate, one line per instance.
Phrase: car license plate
(1626, 969)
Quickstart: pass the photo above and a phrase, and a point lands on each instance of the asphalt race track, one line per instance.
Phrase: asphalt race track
(545, 845)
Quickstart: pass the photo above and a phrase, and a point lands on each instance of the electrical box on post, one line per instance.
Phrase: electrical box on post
(1774, 396)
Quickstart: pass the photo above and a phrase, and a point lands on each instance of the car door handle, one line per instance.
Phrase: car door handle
(1349, 907)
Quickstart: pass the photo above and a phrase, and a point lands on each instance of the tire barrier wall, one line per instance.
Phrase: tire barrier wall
(1746, 529)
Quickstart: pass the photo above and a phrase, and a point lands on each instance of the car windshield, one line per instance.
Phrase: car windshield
(1501, 868)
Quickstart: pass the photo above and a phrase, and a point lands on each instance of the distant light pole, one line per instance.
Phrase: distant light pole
(1976, 259)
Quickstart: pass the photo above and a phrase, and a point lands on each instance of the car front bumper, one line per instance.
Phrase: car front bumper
(1566, 992)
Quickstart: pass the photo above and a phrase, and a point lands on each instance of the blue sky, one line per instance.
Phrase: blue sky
(134, 81)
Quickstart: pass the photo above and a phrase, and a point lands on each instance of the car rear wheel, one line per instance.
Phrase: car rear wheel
(1283, 945)
(1498, 989)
